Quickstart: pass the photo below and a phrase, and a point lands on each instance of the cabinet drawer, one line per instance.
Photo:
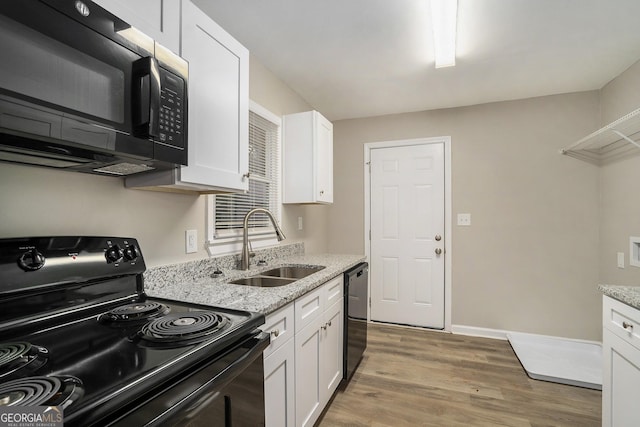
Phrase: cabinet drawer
(279, 325)
(621, 319)
(334, 290)
(309, 307)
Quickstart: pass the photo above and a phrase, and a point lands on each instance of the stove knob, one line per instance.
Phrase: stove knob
(113, 253)
(31, 260)
(131, 252)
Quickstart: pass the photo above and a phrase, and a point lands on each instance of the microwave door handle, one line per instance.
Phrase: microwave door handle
(146, 97)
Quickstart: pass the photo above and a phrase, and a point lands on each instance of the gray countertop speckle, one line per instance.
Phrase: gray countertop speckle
(192, 282)
(629, 295)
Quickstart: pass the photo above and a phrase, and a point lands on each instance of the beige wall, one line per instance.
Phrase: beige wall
(620, 203)
(40, 201)
(529, 261)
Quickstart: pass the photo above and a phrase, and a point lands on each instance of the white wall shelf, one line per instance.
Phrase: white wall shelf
(613, 142)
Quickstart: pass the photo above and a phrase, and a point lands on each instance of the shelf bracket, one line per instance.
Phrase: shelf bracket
(625, 137)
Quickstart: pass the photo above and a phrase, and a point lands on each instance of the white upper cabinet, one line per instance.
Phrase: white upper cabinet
(218, 127)
(307, 158)
(156, 18)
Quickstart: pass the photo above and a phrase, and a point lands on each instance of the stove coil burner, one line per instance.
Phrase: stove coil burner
(132, 313)
(41, 391)
(184, 328)
(16, 356)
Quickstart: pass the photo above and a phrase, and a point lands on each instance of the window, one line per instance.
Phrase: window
(227, 211)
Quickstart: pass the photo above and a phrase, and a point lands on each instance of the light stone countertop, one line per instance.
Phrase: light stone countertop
(629, 295)
(192, 282)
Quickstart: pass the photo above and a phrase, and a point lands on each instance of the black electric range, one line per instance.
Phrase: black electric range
(77, 332)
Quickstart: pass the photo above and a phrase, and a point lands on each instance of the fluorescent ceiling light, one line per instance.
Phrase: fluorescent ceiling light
(444, 16)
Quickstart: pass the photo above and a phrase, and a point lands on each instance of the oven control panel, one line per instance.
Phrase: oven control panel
(127, 253)
(63, 259)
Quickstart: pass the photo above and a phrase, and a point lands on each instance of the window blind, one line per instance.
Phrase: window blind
(264, 166)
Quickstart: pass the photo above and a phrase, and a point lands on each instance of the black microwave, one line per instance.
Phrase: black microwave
(82, 90)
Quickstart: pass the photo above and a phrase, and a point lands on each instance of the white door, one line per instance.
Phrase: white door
(407, 235)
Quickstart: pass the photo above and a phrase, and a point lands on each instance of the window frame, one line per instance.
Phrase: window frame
(222, 242)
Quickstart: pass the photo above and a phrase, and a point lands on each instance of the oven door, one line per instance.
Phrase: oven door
(66, 76)
(228, 391)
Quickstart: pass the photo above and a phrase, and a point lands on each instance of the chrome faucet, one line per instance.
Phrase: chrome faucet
(244, 260)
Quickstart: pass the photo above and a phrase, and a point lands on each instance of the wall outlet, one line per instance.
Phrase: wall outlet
(300, 223)
(191, 241)
(464, 219)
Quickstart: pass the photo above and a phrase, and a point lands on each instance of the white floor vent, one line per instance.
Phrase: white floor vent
(559, 360)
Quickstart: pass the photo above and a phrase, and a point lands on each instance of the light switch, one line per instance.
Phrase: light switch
(620, 259)
(300, 223)
(191, 241)
(464, 219)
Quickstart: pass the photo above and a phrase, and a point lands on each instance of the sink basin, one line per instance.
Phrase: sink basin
(263, 281)
(293, 272)
(278, 276)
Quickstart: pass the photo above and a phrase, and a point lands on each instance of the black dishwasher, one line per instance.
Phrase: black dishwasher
(356, 300)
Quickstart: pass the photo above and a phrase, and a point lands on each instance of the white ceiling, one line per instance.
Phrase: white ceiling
(360, 58)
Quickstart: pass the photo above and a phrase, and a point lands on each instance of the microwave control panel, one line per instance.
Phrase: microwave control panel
(172, 110)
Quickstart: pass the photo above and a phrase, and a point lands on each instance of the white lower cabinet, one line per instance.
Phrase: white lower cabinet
(318, 350)
(279, 369)
(279, 387)
(621, 359)
(303, 363)
(332, 355)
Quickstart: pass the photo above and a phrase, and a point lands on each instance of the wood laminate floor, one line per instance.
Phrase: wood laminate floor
(414, 377)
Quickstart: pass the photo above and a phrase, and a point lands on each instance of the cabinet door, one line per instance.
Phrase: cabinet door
(218, 103)
(157, 19)
(621, 377)
(324, 159)
(308, 386)
(279, 386)
(332, 355)
(280, 326)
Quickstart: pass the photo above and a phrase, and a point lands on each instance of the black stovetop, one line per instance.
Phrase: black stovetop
(110, 361)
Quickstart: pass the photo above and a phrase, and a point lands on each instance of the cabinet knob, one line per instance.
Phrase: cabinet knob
(321, 192)
(438, 251)
(329, 323)
(275, 333)
(324, 327)
(627, 326)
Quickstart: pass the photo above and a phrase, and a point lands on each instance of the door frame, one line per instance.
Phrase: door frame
(446, 141)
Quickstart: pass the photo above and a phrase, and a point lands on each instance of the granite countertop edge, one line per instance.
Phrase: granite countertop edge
(629, 295)
(181, 282)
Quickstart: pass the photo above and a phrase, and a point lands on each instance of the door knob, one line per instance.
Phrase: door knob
(438, 251)
(438, 237)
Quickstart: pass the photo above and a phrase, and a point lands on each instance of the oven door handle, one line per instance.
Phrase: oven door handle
(185, 398)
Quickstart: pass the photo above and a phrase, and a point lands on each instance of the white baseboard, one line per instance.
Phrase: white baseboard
(501, 334)
(475, 331)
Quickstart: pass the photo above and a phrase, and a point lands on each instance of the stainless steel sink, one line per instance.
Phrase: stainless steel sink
(278, 276)
(263, 281)
(293, 272)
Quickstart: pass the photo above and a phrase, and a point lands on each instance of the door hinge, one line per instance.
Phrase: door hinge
(369, 163)
(369, 301)
(369, 234)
